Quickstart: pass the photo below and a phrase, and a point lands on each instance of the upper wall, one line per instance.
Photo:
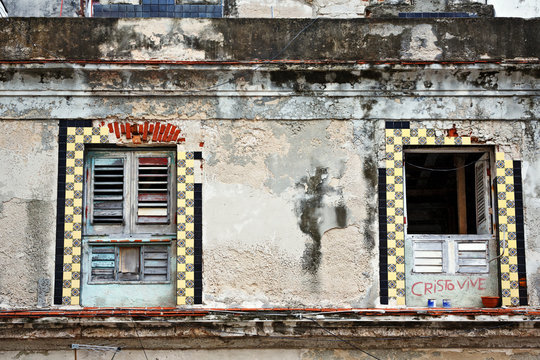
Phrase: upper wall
(278, 9)
(354, 40)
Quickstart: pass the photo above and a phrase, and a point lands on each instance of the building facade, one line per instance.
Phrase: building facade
(206, 187)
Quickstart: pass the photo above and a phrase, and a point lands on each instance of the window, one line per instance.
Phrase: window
(129, 227)
(145, 263)
(448, 209)
(129, 193)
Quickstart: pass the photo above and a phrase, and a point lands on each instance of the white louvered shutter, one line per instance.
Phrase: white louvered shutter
(153, 180)
(482, 191)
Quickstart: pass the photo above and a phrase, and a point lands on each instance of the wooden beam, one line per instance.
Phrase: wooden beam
(459, 162)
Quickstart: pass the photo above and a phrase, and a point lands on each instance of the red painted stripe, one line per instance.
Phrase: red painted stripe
(161, 131)
(123, 128)
(264, 61)
(128, 131)
(175, 136)
(156, 132)
(153, 160)
(116, 130)
(171, 133)
(145, 131)
(166, 133)
(90, 312)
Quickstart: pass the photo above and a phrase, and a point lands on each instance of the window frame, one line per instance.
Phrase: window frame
(141, 272)
(130, 227)
(130, 233)
(450, 252)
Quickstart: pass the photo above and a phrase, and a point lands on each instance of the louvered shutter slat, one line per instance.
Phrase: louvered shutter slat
(428, 257)
(153, 190)
(472, 257)
(108, 191)
(102, 263)
(156, 263)
(482, 190)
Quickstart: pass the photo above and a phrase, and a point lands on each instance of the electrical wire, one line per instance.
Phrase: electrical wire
(138, 337)
(341, 339)
(117, 350)
(264, 62)
(442, 170)
(294, 38)
(61, 7)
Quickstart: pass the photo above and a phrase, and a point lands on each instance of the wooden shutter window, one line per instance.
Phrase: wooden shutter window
(156, 260)
(482, 192)
(428, 256)
(103, 263)
(108, 191)
(153, 190)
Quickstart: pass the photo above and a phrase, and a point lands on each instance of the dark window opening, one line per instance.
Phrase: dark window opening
(447, 193)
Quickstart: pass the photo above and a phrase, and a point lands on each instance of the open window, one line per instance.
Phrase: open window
(448, 209)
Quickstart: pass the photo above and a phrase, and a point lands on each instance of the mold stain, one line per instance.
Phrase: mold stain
(370, 174)
(310, 212)
(309, 218)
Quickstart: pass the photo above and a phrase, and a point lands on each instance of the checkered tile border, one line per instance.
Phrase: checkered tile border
(185, 250)
(392, 222)
(506, 211)
(77, 138)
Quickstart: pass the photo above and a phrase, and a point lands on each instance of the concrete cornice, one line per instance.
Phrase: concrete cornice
(360, 40)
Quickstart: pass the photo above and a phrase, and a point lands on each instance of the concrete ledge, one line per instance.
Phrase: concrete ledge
(360, 40)
(272, 328)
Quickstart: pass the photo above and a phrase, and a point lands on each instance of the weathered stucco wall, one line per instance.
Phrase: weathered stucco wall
(290, 213)
(38, 8)
(284, 9)
(28, 177)
(291, 149)
(241, 40)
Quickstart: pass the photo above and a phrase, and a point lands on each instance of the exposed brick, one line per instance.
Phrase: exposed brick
(117, 130)
(156, 132)
(128, 131)
(145, 131)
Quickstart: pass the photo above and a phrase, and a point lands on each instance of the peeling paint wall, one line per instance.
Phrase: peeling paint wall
(38, 8)
(27, 211)
(291, 149)
(305, 186)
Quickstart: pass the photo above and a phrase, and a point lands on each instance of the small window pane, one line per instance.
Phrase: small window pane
(129, 263)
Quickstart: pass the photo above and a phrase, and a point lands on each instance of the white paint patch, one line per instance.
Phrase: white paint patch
(516, 8)
(422, 45)
(273, 9)
(167, 38)
(385, 29)
(246, 217)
